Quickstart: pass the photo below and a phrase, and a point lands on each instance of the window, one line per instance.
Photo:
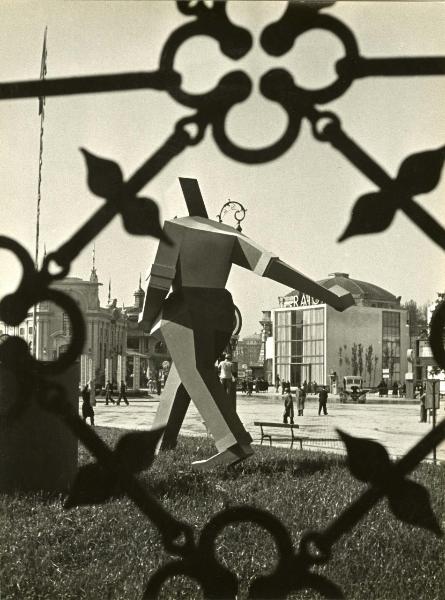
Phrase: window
(391, 344)
(133, 343)
(66, 324)
(22, 331)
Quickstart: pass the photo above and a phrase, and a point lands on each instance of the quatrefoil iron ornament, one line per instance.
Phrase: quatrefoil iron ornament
(276, 85)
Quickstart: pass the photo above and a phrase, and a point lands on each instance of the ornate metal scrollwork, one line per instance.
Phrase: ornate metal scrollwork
(113, 472)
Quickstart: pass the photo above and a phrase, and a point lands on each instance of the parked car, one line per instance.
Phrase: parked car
(352, 380)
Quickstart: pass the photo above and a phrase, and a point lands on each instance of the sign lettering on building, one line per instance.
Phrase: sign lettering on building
(298, 300)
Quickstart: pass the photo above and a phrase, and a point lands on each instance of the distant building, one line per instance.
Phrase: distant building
(424, 364)
(248, 355)
(116, 348)
(145, 353)
(311, 341)
(104, 351)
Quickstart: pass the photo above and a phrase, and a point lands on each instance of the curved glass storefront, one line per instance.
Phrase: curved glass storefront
(300, 345)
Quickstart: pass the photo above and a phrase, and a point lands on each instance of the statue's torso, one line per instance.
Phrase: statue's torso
(205, 252)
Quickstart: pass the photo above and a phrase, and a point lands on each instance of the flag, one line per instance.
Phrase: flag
(43, 72)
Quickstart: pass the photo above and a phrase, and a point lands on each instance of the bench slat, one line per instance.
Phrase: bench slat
(284, 425)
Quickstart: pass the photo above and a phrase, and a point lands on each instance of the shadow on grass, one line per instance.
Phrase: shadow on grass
(295, 465)
(173, 474)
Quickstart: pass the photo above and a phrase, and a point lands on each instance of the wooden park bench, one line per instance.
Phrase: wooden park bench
(287, 426)
(294, 438)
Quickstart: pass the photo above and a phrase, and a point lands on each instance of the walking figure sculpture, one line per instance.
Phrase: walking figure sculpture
(197, 318)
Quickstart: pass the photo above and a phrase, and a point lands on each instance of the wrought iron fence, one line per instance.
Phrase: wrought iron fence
(114, 470)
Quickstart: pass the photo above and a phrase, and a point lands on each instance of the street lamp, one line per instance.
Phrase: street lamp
(237, 208)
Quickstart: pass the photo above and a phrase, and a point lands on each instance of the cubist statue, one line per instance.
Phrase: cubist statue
(186, 301)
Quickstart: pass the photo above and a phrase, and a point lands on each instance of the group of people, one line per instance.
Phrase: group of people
(87, 407)
(257, 385)
(109, 388)
(310, 387)
(300, 398)
(398, 389)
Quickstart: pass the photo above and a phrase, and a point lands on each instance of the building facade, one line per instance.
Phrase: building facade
(313, 342)
(147, 355)
(116, 348)
(104, 352)
(248, 356)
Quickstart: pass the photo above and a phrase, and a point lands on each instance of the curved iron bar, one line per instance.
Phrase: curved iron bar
(34, 288)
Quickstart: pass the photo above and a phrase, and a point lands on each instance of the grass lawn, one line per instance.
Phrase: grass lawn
(109, 551)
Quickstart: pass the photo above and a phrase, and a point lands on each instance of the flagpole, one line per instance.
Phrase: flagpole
(39, 185)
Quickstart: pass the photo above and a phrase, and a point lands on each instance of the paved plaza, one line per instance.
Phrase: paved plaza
(396, 426)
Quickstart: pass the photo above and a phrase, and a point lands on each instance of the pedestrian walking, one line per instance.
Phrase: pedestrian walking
(395, 389)
(288, 408)
(109, 393)
(322, 400)
(299, 398)
(226, 373)
(87, 409)
(249, 386)
(277, 383)
(303, 398)
(122, 394)
(423, 411)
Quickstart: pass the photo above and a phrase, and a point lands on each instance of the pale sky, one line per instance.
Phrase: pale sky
(298, 205)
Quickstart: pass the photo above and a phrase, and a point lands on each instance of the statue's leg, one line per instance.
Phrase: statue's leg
(173, 405)
(192, 352)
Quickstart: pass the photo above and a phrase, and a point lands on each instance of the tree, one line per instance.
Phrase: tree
(368, 362)
(347, 361)
(417, 319)
(340, 361)
(376, 360)
(354, 362)
(360, 359)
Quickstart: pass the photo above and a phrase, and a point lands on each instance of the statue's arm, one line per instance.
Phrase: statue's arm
(283, 273)
(251, 256)
(160, 277)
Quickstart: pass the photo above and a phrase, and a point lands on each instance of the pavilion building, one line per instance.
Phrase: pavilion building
(311, 341)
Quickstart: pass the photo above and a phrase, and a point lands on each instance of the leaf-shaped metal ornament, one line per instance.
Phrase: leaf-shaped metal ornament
(104, 176)
(410, 502)
(141, 217)
(420, 173)
(372, 213)
(368, 460)
(136, 451)
(93, 485)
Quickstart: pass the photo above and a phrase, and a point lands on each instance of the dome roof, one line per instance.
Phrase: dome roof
(363, 292)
